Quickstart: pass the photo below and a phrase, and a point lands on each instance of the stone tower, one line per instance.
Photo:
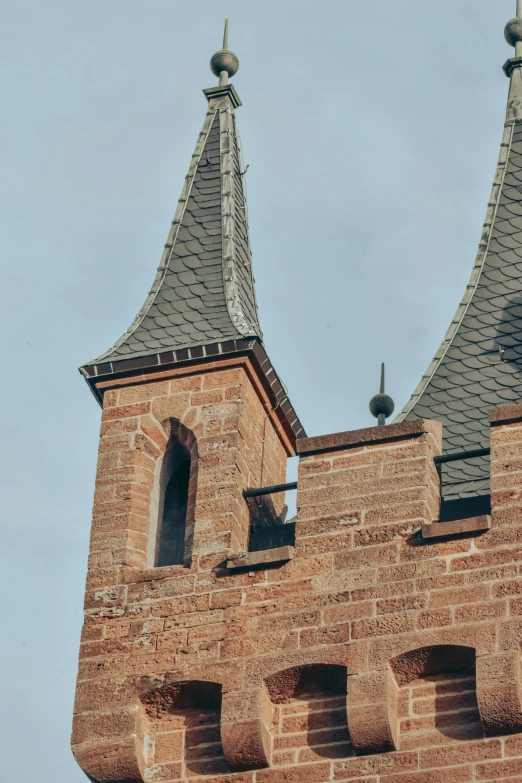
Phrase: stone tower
(377, 637)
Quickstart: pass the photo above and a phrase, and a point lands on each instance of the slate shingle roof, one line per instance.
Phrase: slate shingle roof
(204, 287)
(479, 364)
(202, 304)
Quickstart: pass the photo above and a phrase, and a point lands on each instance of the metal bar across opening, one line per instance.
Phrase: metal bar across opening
(443, 459)
(254, 493)
(461, 455)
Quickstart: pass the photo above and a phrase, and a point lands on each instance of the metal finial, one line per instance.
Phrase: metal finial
(513, 31)
(224, 63)
(225, 34)
(382, 405)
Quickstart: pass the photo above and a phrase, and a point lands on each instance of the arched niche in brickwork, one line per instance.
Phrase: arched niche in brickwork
(174, 498)
(247, 730)
(432, 693)
(308, 713)
(181, 730)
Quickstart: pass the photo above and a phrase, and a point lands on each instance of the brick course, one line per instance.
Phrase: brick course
(373, 656)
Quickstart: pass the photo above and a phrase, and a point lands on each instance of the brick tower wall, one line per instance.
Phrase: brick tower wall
(383, 650)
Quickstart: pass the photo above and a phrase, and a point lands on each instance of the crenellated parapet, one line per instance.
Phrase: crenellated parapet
(376, 637)
(373, 648)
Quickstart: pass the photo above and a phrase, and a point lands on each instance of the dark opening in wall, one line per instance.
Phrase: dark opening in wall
(184, 729)
(309, 718)
(271, 537)
(437, 700)
(172, 512)
(269, 528)
(464, 508)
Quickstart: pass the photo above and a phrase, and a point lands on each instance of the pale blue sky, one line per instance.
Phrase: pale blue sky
(372, 132)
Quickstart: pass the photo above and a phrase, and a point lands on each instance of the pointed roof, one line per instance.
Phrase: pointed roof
(479, 363)
(202, 304)
(203, 292)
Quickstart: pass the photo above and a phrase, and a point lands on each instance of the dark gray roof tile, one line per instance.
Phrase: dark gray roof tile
(188, 303)
(467, 376)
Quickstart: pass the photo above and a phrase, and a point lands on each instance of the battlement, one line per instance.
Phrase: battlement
(377, 637)
(381, 649)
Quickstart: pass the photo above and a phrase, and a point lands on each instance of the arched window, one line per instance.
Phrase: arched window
(173, 502)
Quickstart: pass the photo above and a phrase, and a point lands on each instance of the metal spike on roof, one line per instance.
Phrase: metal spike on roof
(479, 363)
(382, 405)
(224, 63)
(225, 33)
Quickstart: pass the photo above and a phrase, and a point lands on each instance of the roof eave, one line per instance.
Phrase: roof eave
(204, 354)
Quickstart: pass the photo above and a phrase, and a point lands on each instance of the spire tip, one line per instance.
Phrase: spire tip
(224, 63)
(513, 30)
(225, 35)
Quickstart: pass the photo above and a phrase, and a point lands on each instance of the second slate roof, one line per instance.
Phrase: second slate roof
(189, 303)
(479, 364)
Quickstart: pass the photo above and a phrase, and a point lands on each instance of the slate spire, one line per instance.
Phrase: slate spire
(204, 287)
(202, 304)
(479, 363)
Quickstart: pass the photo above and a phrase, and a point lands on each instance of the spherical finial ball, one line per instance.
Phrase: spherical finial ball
(224, 61)
(382, 404)
(513, 31)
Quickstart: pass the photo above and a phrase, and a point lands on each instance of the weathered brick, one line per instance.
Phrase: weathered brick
(436, 618)
(471, 613)
(460, 754)
(381, 764)
(404, 604)
(464, 595)
(331, 634)
(344, 612)
(383, 626)
(168, 747)
(498, 770)
(126, 411)
(362, 589)
(370, 556)
(308, 773)
(462, 774)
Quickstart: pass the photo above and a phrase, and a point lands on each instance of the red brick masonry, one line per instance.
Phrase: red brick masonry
(375, 655)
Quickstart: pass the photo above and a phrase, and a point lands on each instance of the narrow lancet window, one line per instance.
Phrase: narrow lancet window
(172, 516)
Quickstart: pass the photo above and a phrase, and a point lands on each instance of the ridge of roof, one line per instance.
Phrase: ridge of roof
(471, 370)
